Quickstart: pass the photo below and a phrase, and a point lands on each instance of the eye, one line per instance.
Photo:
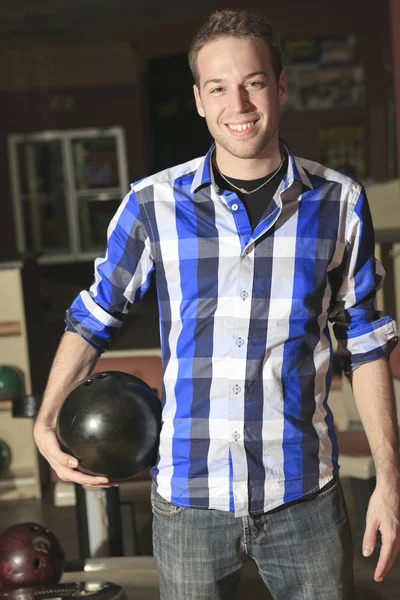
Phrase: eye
(255, 84)
(217, 90)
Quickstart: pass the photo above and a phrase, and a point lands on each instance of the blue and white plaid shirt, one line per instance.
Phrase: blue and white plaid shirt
(246, 348)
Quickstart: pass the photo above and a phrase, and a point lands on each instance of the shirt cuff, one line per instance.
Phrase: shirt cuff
(370, 342)
(91, 322)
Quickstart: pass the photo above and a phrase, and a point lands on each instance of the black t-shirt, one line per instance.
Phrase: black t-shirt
(257, 203)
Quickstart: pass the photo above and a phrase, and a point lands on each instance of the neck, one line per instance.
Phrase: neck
(247, 168)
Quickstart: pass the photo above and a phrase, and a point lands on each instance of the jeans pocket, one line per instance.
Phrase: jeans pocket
(162, 506)
(335, 500)
(332, 489)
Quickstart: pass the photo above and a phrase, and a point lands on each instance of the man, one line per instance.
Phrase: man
(254, 251)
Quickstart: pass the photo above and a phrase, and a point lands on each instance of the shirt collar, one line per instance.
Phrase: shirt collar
(204, 173)
(295, 171)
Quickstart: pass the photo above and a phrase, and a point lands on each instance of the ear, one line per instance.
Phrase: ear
(199, 104)
(283, 91)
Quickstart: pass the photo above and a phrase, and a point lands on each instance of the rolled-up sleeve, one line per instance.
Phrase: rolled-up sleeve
(121, 278)
(362, 332)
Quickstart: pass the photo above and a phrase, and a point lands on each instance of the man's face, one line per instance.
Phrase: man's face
(239, 96)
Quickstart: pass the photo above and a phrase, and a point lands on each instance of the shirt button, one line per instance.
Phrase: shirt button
(244, 295)
(235, 206)
(247, 251)
(237, 389)
(239, 342)
(236, 436)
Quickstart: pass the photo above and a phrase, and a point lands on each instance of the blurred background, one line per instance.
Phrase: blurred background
(96, 95)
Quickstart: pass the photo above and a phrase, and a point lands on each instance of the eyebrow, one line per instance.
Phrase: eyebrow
(248, 76)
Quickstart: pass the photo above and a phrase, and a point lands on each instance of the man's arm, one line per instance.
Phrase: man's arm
(74, 360)
(365, 340)
(122, 276)
(374, 396)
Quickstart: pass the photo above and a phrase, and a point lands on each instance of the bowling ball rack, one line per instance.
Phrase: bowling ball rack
(66, 591)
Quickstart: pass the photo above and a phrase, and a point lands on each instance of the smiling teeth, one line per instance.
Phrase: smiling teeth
(241, 127)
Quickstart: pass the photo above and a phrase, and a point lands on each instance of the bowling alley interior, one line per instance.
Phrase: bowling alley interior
(93, 97)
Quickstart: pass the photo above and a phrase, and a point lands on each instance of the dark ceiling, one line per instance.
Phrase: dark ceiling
(41, 21)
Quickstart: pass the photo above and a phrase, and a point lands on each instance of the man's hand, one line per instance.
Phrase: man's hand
(63, 464)
(383, 515)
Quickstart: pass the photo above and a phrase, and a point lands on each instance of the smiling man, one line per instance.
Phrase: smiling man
(240, 94)
(254, 251)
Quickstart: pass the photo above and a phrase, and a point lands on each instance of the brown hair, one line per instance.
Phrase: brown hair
(236, 23)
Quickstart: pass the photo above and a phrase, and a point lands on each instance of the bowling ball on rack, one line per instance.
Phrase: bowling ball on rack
(11, 384)
(5, 455)
(111, 422)
(30, 555)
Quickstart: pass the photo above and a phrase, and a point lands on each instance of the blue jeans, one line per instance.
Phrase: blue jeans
(303, 551)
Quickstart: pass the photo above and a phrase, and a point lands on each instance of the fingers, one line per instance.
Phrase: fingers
(103, 486)
(64, 464)
(51, 450)
(59, 458)
(68, 474)
(387, 557)
(383, 515)
(48, 445)
(369, 541)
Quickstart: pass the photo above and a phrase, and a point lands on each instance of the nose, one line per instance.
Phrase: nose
(239, 100)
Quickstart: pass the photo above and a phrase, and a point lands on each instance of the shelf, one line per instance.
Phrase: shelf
(10, 328)
(21, 475)
(17, 484)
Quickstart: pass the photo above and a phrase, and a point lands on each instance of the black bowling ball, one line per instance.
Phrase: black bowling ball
(110, 422)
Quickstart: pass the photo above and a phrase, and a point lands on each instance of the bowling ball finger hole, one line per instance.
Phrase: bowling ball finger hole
(102, 376)
(88, 382)
(38, 564)
(34, 528)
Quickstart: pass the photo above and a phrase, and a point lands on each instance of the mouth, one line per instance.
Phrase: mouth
(241, 129)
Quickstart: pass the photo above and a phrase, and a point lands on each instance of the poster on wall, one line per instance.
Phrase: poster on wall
(343, 149)
(324, 73)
